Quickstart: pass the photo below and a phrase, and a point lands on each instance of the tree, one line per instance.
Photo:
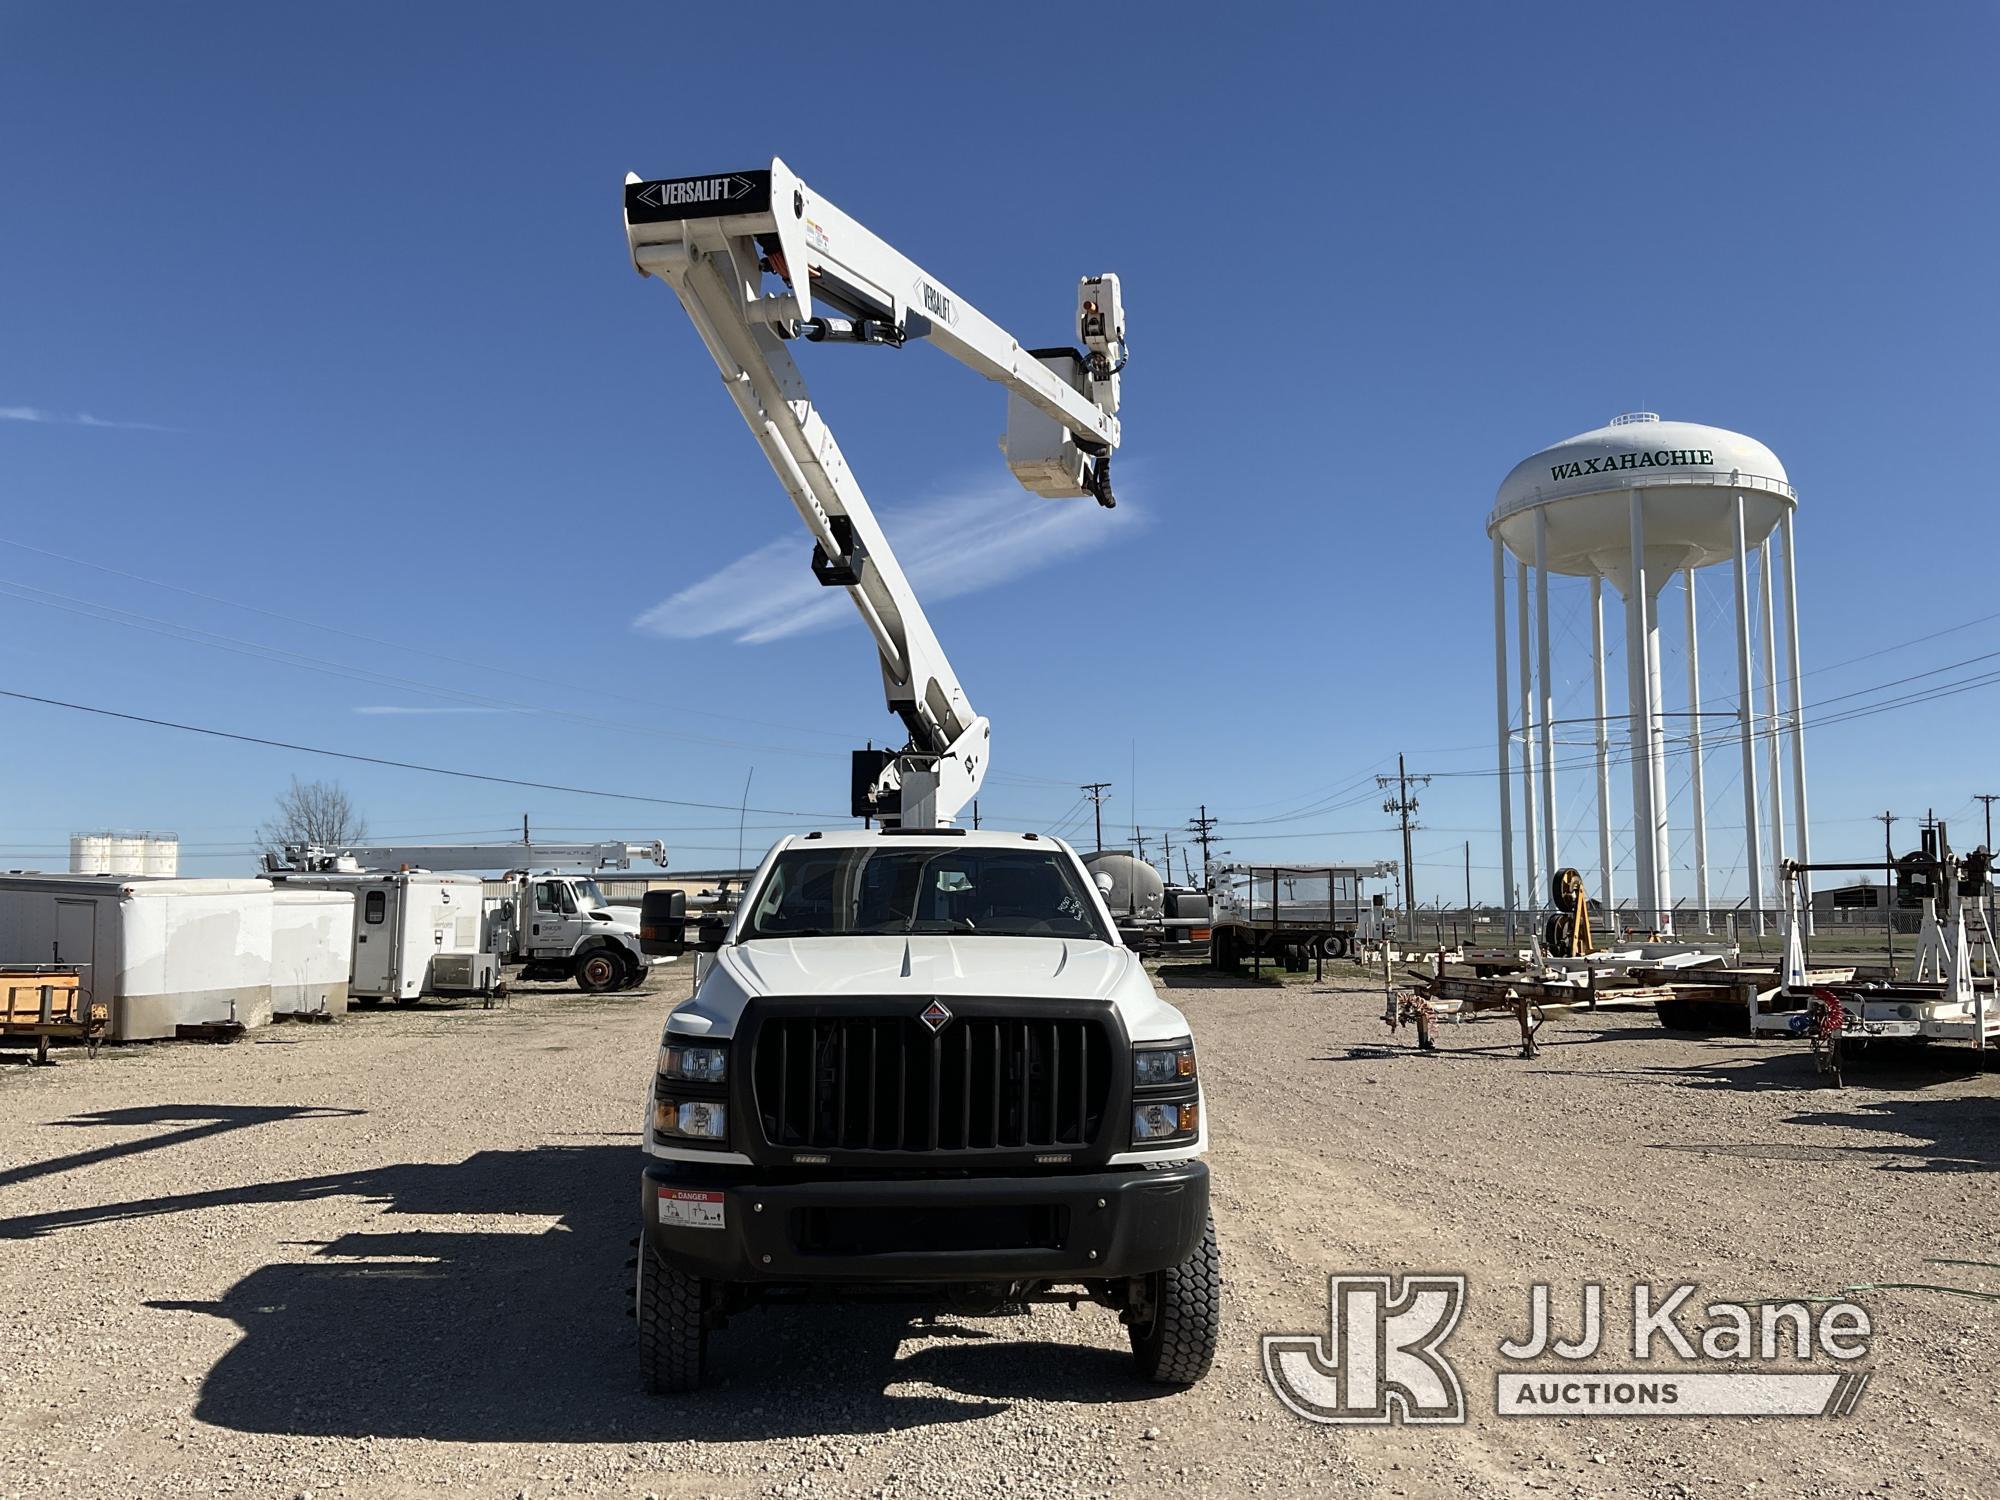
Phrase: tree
(312, 812)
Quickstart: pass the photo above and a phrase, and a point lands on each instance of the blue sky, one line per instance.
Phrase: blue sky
(326, 389)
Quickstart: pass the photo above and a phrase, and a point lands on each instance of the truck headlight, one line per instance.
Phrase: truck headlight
(1164, 1122)
(691, 1119)
(1156, 1067)
(684, 1063)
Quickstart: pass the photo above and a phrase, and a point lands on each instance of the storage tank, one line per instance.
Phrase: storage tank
(1137, 893)
(114, 852)
(1640, 503)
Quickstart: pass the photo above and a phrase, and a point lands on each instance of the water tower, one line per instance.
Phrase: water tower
(1638, 503)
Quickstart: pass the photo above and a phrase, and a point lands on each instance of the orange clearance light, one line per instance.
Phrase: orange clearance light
(1190, 1117)
(1185, 1065)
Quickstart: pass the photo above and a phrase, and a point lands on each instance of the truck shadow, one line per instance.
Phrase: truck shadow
(491, 1334)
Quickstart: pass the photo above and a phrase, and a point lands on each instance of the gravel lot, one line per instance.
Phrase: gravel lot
(387, 1258)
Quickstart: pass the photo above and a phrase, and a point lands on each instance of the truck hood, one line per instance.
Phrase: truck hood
(931, 964)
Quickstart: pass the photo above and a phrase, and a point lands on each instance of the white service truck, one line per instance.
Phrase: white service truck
(920, 1063)
(554, 923)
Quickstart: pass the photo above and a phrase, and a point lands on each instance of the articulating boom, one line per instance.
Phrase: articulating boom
(715, 240)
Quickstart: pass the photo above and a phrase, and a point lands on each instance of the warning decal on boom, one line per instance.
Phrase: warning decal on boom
(697, 197)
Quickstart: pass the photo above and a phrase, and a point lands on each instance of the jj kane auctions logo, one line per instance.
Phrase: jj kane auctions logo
(1382, 1359)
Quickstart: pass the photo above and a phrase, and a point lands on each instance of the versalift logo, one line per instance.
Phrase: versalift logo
(694, 192)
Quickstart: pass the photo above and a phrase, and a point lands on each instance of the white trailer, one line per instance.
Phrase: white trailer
(416, 933)
(161, 953)
(312, 951)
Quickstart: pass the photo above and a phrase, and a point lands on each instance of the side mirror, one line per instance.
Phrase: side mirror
(710, 932)
(1105, 884)
(663, 924)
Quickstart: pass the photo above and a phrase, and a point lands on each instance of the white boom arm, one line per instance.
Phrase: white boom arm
(714, 240)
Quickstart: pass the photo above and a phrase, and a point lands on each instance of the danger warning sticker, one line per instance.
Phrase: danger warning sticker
(691, 1210)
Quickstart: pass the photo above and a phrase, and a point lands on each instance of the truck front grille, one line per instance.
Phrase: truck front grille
(887, 1084)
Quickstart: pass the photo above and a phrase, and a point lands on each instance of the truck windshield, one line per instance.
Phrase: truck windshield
(873, 890)
(588, 895)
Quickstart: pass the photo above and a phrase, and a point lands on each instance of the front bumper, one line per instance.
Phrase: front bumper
(729, 1226)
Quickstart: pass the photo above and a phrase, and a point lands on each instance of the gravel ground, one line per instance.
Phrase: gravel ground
(387, 1258)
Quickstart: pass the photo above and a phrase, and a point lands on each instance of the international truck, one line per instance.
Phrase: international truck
(920, 1063)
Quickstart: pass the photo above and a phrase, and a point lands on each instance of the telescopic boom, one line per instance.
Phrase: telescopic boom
(759, 259)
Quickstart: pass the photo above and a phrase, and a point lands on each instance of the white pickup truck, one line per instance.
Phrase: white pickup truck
(920, 1064)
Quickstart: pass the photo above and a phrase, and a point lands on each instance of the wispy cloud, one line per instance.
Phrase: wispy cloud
(43, 415)
(455, 708)
(951, 546)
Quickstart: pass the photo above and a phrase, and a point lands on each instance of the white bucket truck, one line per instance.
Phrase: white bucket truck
(920, 1063)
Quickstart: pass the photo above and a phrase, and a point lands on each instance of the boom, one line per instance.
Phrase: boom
(714, 240)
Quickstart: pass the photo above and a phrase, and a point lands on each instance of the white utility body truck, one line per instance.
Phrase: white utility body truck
(542, 913)
(919, 1062)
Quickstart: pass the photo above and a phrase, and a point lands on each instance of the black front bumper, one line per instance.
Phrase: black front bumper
(1061, 1227)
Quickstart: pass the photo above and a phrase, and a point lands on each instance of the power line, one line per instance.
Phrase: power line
(401, 765)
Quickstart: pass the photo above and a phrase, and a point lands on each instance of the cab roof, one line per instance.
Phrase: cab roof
(983, 838)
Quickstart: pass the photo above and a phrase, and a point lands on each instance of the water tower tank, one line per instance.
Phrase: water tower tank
(1691, 474)
(1643, 500)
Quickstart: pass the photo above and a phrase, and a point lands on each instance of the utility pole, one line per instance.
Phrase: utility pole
(1139, 842)
(1202, 828)
(1888, 821)
(1095, 790)
(975, 815)
(1468, 884)
(1167, 845)
(1401, 806)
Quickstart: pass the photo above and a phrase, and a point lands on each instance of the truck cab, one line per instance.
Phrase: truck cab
(921, 1064)
(563, 928)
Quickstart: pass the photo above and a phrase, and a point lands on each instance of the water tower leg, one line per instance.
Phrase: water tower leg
(1531, 840)
(1545, 698)
(1799, 827)
(1694, 754)
(1505, 734)
(1774, 752)
(1663, 834)
(1607, 891)
(1640, 712)
(1753, 844)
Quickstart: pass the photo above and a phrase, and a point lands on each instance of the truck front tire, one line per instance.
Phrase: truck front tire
(1175, 1342)
(599, 970)
(673, 1331)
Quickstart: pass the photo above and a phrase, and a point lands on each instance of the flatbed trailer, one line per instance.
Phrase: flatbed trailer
(1296, 913)
(47, 1001)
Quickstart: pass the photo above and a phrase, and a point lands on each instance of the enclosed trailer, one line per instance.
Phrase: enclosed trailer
(312, 951)
(415, 933)
(161, 953)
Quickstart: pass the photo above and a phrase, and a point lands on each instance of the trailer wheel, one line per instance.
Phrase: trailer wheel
(1174, 1343)
(599, 970)
(673, 1332)
(1334, 945)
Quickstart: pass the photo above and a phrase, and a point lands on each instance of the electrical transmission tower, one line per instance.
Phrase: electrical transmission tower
(1400, 807)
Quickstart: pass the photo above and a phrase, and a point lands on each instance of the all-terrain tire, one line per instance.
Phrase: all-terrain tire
(673, 1336)
(1177, 1345)
(598, 970)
